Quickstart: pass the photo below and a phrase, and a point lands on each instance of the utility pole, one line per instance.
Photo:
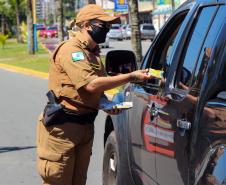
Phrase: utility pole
(34, 25)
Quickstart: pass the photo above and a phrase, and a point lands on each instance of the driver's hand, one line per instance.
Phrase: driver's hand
(140, 75)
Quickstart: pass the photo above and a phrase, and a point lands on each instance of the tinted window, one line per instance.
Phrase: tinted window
(193, 47)
(52, 28)
(147, 27)
(160, 59)
(115, 27)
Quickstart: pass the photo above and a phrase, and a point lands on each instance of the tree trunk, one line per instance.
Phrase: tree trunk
(3, 24)
(91, 1)
(59, 13)
(173, 5)
(135, 27)
(30, 28)
(18, 31)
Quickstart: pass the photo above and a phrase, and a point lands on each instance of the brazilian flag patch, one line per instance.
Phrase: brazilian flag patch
(77, 56)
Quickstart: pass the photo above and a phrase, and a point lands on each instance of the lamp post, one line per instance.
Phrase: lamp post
(34, 24)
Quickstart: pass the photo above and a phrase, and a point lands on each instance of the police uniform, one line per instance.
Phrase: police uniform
(64, 149)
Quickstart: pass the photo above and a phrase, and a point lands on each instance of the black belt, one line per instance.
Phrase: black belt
(64, 115)
(73, 117)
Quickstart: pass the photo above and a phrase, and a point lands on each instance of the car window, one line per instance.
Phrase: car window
(148, 27)
(194, 44)
(115, 27)
(52, 28)
(160, 58)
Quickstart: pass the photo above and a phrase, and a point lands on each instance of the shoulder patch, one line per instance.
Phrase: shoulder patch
(77, 56)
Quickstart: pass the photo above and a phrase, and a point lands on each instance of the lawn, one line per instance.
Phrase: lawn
(17, 55)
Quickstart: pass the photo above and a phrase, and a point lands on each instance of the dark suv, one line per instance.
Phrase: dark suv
(175, 134)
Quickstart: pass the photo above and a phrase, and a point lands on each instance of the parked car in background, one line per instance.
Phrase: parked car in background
(123, 27)
(50, 32)
(40, 27)
(175, 133)
(128, 32)
(105, 44)
(147, 31)
(115, 32)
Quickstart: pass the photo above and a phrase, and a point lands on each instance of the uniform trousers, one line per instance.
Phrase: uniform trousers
(63, 152)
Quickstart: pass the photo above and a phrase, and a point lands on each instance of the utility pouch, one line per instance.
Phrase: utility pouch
(52, 113)
(53, 110)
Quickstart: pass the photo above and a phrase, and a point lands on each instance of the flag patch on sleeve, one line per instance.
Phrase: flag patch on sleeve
(77, 56)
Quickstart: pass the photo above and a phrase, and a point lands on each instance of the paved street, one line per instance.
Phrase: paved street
(22, 99)
(51, 44)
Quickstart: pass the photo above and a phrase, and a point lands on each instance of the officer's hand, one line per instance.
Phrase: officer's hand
(140, 75)
(113, 111)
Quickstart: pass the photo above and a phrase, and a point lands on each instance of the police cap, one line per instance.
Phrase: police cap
(93, 11)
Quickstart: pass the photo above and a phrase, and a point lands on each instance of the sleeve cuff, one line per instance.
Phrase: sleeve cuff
(85, 82)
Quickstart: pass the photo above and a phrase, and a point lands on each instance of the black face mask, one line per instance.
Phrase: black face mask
(99, 34)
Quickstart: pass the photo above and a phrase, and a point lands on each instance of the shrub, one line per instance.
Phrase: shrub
(3, 39)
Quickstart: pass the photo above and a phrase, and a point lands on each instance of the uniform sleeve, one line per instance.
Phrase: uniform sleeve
(79, 70)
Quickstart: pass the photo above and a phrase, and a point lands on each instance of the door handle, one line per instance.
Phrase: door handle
(183, 126)
(155, 111)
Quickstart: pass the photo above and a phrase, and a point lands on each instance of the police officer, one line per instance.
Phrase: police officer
(78, 79)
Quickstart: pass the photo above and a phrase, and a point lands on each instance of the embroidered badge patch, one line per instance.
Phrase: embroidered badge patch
(77, 56)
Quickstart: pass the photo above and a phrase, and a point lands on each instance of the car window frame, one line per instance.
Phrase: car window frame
(181, 61)
(148, 59)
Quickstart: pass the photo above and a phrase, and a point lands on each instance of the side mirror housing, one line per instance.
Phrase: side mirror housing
(120, 62)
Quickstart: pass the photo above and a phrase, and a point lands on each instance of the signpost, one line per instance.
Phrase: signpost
(34, 25)
(121, 6)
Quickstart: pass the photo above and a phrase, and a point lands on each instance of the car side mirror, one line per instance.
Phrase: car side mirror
(120, 62)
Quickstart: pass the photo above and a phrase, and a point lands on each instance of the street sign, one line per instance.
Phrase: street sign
(121, 6)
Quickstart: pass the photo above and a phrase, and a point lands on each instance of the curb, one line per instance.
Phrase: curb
(25, 71)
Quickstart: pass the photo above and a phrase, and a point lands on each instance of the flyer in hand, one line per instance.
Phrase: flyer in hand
(156, 73)
(106, 104)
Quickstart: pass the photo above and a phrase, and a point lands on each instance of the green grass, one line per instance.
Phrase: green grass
(16, 54)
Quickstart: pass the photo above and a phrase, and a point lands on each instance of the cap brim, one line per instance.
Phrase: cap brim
(110, 19)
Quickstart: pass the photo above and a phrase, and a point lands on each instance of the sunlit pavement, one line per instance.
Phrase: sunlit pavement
(51, 44)
(22, 100)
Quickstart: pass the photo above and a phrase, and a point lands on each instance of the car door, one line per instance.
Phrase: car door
(141, 125)
(174, 117)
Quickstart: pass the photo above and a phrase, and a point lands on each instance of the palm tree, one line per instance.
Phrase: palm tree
(59, 13)
(3, 13)
(17, 3)
(134, 21)
(30, 27)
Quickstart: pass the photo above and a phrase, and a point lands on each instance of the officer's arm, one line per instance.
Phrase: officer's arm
(102, 84)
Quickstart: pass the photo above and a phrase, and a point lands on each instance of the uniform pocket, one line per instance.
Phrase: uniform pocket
(50, 166)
